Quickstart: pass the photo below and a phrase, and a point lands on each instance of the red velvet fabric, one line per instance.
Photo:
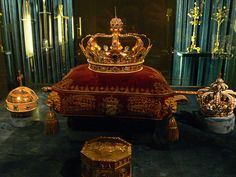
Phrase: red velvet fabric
(147, 80)
(139, 94)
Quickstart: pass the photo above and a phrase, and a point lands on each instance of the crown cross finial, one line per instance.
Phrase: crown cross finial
(20, 78)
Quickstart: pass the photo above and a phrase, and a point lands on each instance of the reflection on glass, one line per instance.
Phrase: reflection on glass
(28, 36)
(46, 28)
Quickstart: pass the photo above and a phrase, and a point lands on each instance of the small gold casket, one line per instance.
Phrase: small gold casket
(106, 157)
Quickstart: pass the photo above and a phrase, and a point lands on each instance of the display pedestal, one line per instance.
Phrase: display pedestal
(221, 125)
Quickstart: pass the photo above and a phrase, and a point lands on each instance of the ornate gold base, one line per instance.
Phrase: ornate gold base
(192, 49)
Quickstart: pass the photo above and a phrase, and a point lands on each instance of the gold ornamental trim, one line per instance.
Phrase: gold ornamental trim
(107, 149)
(82, 102)
(129, 64)
(21, 107)
(145, 105)
(112, 92)
(63, 86)
(118, 69)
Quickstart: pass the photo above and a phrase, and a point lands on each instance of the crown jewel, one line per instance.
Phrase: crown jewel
(216, 100)
(116, 52)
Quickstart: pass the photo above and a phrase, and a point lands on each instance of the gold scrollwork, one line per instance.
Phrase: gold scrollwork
(169, 107)
(85, 102)
(143, 104)
(107, 147)
(81, 102)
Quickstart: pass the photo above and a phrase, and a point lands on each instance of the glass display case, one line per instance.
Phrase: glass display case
(169, 25)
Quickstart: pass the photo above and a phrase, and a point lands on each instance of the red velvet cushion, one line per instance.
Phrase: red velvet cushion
(85, 92)
(147, 80)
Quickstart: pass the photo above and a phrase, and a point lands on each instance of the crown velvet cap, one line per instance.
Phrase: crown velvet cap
(116, 52)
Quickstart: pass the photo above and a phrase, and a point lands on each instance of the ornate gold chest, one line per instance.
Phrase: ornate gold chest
(106, 157)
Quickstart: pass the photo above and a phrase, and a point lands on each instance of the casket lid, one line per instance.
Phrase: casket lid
(147, 81)
(109, 149)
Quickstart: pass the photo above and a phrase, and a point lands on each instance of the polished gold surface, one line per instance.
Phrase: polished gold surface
(195, 15)
(109, 149)
(125, 54)
(216, 100)
(21, 99)
(106, 156)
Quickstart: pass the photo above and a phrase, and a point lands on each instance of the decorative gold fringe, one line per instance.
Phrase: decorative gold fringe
(51, 123)
(172, 130)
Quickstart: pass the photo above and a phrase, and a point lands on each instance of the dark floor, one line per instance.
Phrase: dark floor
(28, 152)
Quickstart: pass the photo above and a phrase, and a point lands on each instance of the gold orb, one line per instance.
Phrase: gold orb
(21, 101)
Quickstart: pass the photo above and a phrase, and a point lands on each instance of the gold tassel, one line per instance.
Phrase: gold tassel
(51, 123)
(172, 130)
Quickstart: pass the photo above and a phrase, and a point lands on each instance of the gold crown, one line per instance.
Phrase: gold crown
(120, 53)
(216, 100)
